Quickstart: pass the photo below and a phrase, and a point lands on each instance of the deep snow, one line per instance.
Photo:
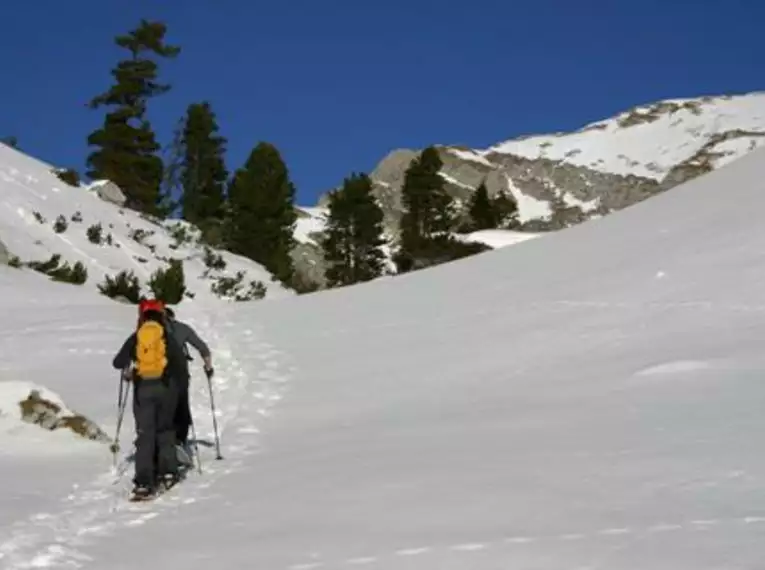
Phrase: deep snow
(589, 400)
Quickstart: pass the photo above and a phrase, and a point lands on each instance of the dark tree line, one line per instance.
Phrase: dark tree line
(250, 211)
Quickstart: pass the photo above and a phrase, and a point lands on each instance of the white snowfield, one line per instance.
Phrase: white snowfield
(650, 139)
(589, 400)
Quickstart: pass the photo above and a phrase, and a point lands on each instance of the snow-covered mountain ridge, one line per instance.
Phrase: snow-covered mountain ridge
(562, 179)
(42, 216)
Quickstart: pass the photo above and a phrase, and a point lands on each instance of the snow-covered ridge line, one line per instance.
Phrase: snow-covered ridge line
(648, 140)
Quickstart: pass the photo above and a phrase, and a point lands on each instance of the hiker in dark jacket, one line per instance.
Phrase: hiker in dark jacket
(154, 404)
(184, 335)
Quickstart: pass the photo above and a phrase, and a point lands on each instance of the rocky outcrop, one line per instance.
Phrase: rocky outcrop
(36, 409)
(562, 194)
(561, 179)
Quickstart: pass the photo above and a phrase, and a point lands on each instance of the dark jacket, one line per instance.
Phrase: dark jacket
(177, 367)
(184, 334)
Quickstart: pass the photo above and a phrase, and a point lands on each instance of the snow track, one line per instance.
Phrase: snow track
(98, 508)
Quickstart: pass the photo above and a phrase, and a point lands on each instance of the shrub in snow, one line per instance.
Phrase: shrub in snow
(214, 260)
(181, 234)
(65, 273)
(255, 290)
(39, 217)
(76, 275)
(125, 286)
(138, 235)
(15, 261)
(49, 415)
(169, 285)
(60, 225)
(435, 251)
(94, 233)
(45, 266)
(233, 288)
(77, 217)
(68, 175)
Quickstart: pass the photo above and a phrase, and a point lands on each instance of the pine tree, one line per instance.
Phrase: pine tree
(171, 185)
(203, 172)
(428, 208)
(127, 145)
(482, 213)
(506, 210)
(353, 234)
(262, 216)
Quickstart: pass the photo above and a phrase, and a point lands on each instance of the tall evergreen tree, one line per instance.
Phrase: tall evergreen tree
(262, 214)
(483, 215)
(428, 208)
(127, 152)
(353, 234)
(203, 171)
(506, 210)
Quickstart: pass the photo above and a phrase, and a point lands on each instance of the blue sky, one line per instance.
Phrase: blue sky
(337, 84)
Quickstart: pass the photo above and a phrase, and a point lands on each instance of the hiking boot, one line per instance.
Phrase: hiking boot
(142, 492)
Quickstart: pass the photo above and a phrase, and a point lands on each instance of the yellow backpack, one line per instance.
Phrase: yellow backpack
(151, 351)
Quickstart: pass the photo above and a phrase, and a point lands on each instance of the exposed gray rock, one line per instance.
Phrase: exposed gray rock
(48, 415)
(593, 193)
(309, 263)
(109, 192)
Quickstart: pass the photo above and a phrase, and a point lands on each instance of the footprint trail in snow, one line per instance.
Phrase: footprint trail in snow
(244, 394)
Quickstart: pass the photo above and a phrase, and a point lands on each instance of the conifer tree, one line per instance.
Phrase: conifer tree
(506, 210)
(353, 234)
(203, 173)
(127, 152)
(483, 215)
(428, 208)
(262, 214)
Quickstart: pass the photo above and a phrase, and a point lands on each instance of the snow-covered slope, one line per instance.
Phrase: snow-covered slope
(650, 140)
(33, 198)
(591, 399)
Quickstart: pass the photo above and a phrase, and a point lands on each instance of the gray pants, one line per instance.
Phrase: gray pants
(154, 404)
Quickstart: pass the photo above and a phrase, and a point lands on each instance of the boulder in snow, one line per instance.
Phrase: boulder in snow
(109, 192)
(48, 414)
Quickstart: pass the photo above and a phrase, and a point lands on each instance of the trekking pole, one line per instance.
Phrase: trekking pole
(196, 446)
(214, 417)
(124, 388)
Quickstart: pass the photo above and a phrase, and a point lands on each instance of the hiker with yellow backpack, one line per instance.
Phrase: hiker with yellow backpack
(159, 368)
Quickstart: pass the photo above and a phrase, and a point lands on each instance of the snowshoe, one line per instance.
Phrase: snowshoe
(142, 493)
